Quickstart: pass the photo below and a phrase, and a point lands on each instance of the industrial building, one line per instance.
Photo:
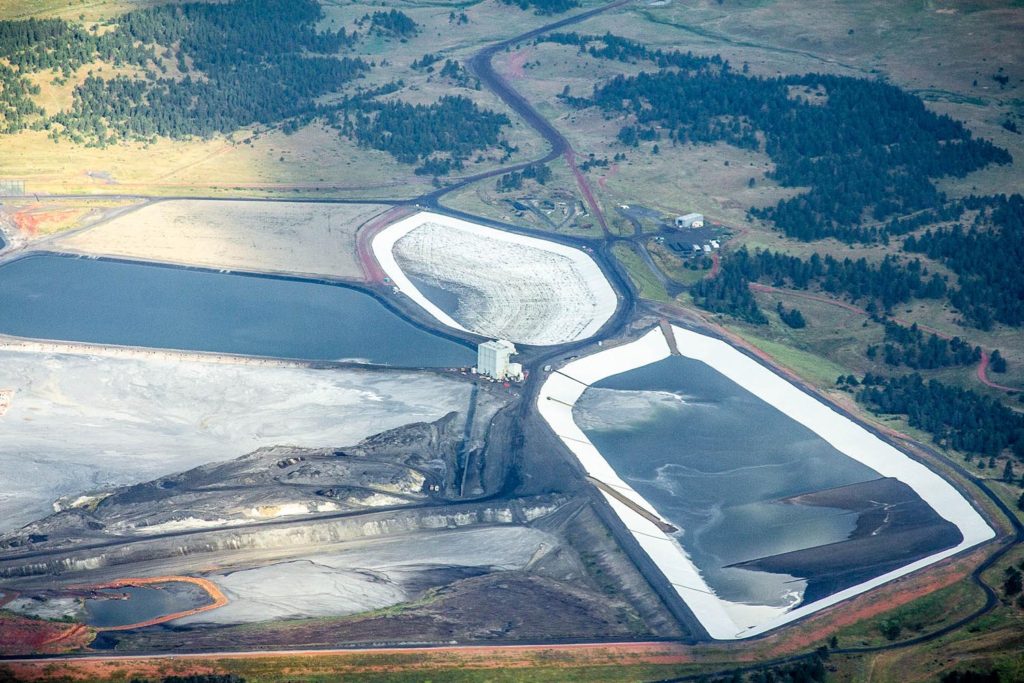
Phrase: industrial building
(492, 360)
(690, 220)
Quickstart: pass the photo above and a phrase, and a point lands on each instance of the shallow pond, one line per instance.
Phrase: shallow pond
(114, 302)
(135, 604)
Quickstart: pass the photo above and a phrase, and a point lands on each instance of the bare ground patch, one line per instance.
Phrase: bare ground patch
(293, 237)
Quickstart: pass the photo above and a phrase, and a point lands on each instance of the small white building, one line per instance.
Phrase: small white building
(690, 220)
(515, 372)
(492, 358)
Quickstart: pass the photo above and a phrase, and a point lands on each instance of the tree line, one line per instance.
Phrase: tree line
(244, 63)
(413, 133)
(544, 6)
(613, 47)
(987, 257)
(880, 286)
(911, 347)
(956, 418)
(514, 179)
(391, 23)
(39, 44)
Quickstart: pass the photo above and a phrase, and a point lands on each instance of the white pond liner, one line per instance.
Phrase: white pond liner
(725, 620)
(532, 291)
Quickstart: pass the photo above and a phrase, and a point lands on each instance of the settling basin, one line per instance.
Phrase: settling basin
(783, 506)
(49, 296)
(112, 608)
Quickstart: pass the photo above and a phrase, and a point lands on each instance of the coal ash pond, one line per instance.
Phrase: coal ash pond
(768, 511)
(139, 304)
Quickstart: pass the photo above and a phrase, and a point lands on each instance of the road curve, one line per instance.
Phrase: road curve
(480, 64)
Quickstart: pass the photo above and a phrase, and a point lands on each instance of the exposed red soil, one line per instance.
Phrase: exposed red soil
(21, 635)
(372, 272)
(30, 219)
(983, 375)
(816, 629)
(588, 194)
(603, 180)
(715, 264)
(514, 64)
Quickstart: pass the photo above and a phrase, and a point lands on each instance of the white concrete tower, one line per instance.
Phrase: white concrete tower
(492, 358)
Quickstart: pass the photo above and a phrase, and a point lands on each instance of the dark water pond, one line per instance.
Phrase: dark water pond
(715, 460)
(134, 604)
(445, 299)
(111, 302)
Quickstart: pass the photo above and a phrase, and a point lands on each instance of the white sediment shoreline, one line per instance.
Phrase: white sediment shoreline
(722, 619)
(510, 286)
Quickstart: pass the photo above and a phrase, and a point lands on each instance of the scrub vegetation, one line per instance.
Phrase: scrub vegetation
(880, 286)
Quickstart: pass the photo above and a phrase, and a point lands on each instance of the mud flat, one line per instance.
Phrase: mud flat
(291, 237)
(79, 424)
(954, 522)
(369, 575)
(503, 285)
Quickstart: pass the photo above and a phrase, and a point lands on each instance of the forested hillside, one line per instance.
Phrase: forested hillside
(245, 62)
(987, 256)
(877, 287)
(867, 150)
(199, 69)
(956, 418)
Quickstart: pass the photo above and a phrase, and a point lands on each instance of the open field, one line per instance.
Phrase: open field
(624, 662)
(645, 281)
(246, 164)
(302, 238)
(86, 10)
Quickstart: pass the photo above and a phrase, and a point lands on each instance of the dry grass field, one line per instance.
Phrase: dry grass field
(315, 161)
(312, 162)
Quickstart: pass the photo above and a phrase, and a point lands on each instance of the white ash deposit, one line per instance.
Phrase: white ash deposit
(508, 286)
(78, 424)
